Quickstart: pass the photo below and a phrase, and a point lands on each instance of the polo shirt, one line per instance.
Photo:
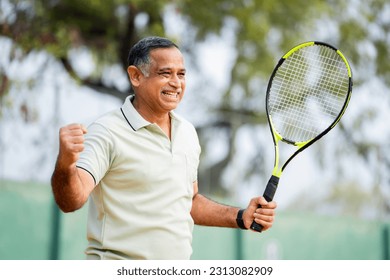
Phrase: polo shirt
(140, 207)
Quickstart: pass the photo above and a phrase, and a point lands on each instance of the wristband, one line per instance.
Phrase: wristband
(239, 220)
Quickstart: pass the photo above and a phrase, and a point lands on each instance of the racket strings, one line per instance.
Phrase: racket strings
(308, 92)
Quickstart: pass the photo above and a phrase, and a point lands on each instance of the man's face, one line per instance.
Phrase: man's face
(163, 88)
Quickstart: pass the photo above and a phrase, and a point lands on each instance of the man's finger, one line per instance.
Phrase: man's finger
(76, 126)
(83, 128)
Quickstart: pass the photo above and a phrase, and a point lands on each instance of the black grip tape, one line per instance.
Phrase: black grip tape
(269, 194)
(270, 190)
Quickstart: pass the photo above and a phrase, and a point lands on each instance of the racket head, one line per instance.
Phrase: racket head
(308, 92)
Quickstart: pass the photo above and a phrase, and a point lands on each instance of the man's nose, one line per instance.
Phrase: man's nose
(175, 81)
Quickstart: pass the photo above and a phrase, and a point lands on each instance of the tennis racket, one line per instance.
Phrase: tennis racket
(307, 95)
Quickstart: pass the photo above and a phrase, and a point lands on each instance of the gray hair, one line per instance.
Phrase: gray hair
(139, 54)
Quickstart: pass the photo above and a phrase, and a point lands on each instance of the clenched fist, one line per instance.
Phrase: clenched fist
(71, 185)
(71, 143)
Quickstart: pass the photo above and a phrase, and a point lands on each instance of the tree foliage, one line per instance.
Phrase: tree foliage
(264, 29)
(106, 28)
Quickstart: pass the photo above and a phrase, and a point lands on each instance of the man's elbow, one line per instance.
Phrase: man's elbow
(68, 207)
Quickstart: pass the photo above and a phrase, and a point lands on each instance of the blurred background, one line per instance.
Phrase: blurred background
(64, 61)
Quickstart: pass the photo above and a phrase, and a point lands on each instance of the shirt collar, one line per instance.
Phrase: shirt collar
(135, 120)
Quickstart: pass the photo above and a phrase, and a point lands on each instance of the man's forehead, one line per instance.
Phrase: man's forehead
(167, 58)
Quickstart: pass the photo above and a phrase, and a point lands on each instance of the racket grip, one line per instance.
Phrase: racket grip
(269, 193)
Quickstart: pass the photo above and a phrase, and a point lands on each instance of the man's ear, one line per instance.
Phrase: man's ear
(135, 75)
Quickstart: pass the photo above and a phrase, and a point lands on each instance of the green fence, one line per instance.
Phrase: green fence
(32, 228)
(298, 236)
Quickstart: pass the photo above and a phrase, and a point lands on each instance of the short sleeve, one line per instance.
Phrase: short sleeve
(97, 155)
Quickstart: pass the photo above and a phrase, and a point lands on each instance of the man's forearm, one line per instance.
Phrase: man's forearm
(210, 213)
(67, 185)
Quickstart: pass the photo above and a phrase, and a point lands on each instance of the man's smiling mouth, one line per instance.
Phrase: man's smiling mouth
(171, 94)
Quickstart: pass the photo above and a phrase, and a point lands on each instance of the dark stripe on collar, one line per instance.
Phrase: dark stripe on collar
(123, 113)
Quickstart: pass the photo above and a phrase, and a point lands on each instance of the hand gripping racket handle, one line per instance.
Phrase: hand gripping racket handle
(268, 195)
